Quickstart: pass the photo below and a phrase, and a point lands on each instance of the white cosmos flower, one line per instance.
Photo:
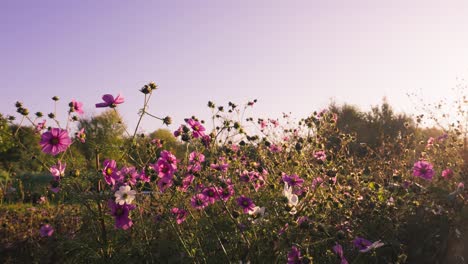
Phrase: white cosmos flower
(257, 211)
(293, 199)
(257, 214)
(124, 195)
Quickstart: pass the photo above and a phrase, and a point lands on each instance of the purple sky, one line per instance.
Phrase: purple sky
(293, 56)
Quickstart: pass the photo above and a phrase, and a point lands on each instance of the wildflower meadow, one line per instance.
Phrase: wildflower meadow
(338, 186)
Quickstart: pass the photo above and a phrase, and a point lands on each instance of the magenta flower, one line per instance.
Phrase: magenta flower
(164, 183)
(180, 215)
(196, 157)
(40, 126)
(423, 169)
(294, 256)
(246, 204)
(211, 194)
(361, 243)
(81, 136)
(447, 174)
(338, 249)
(76, 107)
(46, 230)
(110, 171)
(226, 193)
(320, 155)
(197, 129)
(186, 182)
(293, 180)
(121, 214)
(110, 101)
(128, 176)
(275, 148)
(54, 141)
(199, 201)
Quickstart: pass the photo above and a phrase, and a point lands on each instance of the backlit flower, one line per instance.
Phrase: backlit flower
(110, 101)
(54, 141)
(423, 169)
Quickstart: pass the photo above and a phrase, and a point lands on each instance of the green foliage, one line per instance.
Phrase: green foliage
(104, 134)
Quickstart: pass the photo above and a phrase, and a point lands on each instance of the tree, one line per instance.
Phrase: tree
(104, 134)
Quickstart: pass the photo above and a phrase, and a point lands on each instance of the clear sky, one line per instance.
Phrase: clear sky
(293, 56)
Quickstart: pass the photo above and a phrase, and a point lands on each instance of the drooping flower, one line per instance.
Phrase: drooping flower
(54, 141)
(46, 230)
(76, 106)
(124, 195)
(58, 170)
(338, 249)
(245, 203)
(447, 174)
(364, 245)
(199, 201)
(423, 169)
(180, 215)
(294, 256)
(361, 243)
(121, 214)
(110, 101)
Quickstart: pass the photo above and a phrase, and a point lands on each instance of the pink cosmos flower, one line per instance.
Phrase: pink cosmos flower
(338, 249)
(40, 126)
(58, 170)
(294, 256)
(423, 169)
(128, 176)
(186, 182)
(110, 101)
(180, 215)
(197, 128)
(54, 141)
(76, 107)
(226, 193)
(121, 214)
(46, 230)
(110, 171)
(81, 136)
(199, 201)
(164, 183)
(275, 148)
(292, 180)
(320, 155)
(447, 174)
(211, 194)
(246, 204)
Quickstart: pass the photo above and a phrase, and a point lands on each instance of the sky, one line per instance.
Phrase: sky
(293, 56)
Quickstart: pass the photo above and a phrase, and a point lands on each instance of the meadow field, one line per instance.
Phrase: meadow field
(341, 185)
